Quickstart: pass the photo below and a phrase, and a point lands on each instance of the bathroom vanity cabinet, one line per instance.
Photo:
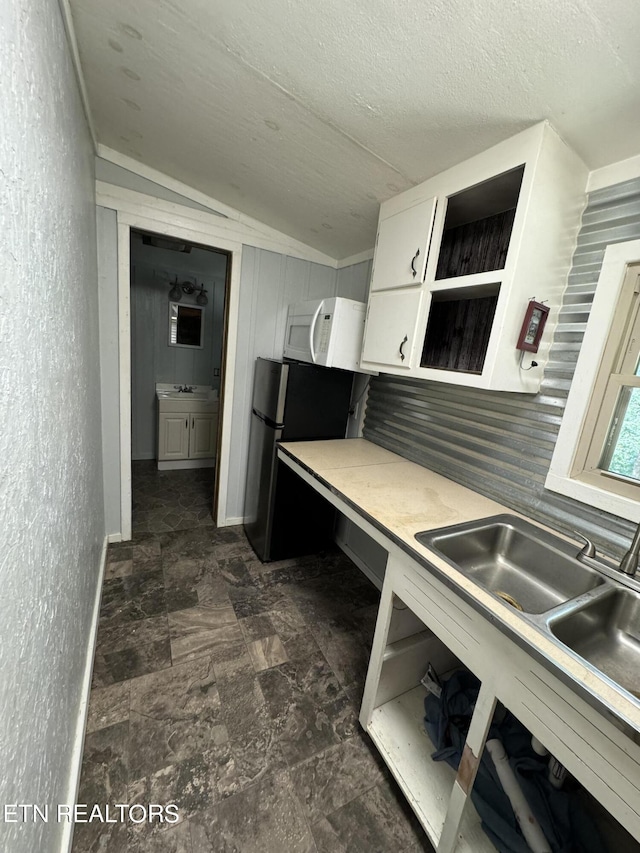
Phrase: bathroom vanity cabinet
(187, 432)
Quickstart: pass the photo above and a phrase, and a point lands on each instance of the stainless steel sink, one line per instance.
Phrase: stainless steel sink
(525, 565)
(606, 633)
(592, 610)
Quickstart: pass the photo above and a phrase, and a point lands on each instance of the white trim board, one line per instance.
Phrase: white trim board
(185, 464)
(208, 224)
(67, 19)
(360, 563)
(616, 258)
(614, 173)
(124, 382)
(81, 722)
(232, 221)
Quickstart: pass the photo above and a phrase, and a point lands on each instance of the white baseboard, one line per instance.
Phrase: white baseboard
(81, 722)
(179, 464)
(231, 522)
(114, 537)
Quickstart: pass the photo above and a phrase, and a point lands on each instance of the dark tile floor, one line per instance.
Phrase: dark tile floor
(231, 688)
(170, 500)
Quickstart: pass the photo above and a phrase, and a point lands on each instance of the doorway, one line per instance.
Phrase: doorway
(178, 299)
(116, 218)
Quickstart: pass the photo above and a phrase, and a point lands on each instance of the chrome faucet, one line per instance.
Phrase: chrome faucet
(628, 564)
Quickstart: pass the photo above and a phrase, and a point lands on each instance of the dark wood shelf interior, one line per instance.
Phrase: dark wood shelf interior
(459, 328)
(478, 226)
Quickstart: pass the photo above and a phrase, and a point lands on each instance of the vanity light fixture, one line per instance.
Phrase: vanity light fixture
(188, 287)
(175, 294)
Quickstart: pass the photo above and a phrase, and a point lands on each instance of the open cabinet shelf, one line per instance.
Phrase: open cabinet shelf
(507, 218)
(478, 225)
(422, 624)
(397, 729)
(459, 328)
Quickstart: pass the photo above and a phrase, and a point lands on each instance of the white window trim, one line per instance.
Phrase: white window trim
(616, 259)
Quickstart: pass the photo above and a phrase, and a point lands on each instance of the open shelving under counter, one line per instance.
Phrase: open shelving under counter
(432, 614)
(397, 730)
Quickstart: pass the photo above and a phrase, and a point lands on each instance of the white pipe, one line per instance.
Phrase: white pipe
(538, 747)
(529, 826)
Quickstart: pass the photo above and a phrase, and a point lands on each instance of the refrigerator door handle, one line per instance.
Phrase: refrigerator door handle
(267, 421)
(312, 330)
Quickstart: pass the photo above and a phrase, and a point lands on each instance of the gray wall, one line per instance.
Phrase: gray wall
(152, 359)
(353, 281)
(110, 173)
(501, 444)
(269, 282)
(51, 499)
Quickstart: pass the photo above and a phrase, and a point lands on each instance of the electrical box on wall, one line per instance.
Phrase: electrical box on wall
(532, 326)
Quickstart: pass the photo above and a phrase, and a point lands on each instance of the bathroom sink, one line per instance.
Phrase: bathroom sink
(526, 566)
(606, 633)
(185, 395)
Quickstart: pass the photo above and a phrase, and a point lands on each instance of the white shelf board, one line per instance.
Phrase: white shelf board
(397, 729)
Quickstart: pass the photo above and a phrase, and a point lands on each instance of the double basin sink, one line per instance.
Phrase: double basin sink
(594, 611)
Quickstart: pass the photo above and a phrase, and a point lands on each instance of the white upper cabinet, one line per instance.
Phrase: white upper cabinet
(401, 246)
(504, 232)
(390, 339)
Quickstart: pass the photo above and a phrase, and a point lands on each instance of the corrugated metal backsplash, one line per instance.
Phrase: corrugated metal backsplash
(500, 444)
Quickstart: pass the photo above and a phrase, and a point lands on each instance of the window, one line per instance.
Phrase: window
(608, 453)
(597, 455)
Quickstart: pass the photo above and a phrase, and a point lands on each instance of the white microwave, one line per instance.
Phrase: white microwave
(327, 332)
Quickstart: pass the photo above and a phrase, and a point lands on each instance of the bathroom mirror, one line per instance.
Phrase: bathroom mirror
(186, 325)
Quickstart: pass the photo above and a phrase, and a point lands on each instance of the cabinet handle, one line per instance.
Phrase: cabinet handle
(186, 423)
(400, 348)
(193, 423)
(413, 259)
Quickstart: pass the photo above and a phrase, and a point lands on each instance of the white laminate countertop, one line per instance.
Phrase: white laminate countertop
(401, 499)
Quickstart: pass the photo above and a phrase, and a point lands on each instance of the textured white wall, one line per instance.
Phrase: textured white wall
(51, 501)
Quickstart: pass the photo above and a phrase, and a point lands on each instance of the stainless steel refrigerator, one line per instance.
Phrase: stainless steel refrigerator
(292, 401)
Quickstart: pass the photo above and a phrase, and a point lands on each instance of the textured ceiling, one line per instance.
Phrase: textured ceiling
(306, 115)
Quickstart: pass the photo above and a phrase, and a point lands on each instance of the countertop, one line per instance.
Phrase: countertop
(400, 499)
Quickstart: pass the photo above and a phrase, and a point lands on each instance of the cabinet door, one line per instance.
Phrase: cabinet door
(173, 436)
(402, 245)
(390, 332)
(202, 436)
